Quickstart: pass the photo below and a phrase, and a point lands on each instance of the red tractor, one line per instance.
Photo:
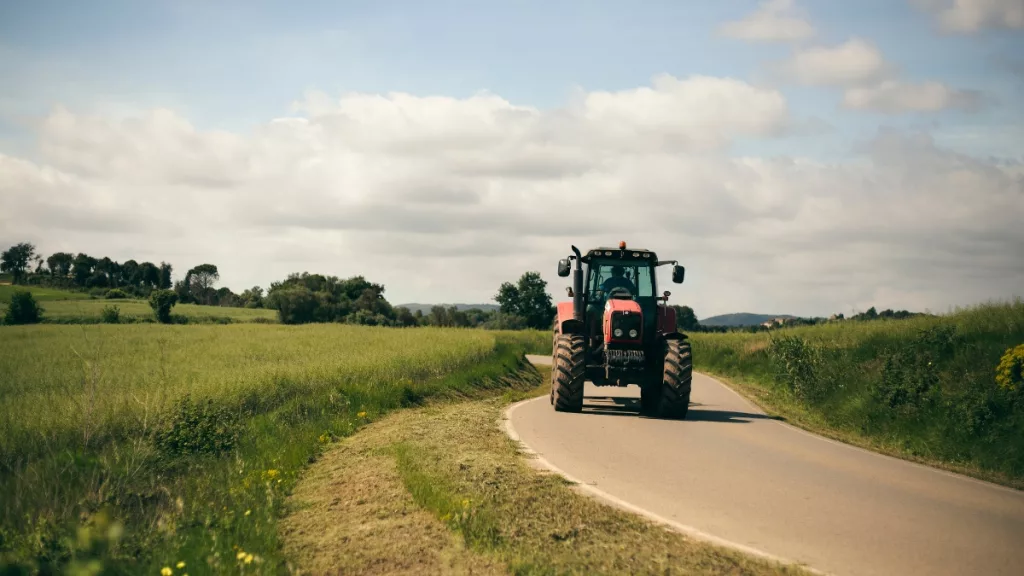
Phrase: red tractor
(616, 331)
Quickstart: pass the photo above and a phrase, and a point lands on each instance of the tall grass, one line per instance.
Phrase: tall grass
(924, 387)
(189, 436)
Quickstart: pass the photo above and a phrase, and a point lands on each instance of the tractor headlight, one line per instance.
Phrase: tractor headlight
(617, 332)
(633, 333)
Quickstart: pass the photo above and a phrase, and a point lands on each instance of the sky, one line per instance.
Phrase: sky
(800, 157)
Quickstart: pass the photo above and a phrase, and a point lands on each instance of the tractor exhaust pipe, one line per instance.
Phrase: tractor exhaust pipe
(577, 287)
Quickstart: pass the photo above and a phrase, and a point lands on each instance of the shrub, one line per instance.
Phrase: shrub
(162, 301)
(198, 428)
(111, 315)
(116, 293)
(911, 372)
(23, 309)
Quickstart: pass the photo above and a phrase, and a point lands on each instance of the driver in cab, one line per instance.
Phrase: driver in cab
(618, 280)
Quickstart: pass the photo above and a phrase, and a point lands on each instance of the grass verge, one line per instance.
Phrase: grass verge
(448, 469)
(923, 389)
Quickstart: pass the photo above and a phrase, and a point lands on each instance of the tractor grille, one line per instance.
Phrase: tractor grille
(619, 357)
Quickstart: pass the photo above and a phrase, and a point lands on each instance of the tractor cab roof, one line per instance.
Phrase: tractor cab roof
(621, 253)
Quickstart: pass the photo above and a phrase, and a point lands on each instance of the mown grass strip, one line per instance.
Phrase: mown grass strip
(457, 464)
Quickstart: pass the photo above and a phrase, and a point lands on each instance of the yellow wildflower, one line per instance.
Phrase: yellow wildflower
(361, 415)
(248, 558)
(181, 565)
(166, 571)
(241, 554)
(247, 512)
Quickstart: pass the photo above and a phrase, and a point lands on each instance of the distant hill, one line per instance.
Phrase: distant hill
(426, 307)
(741, 319)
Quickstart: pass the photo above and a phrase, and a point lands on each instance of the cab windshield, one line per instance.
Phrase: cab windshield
(635, 277)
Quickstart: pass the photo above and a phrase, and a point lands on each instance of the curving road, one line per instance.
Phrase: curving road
(733, 474)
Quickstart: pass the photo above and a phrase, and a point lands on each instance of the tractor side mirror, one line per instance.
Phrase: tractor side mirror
(677, 274)
(563, 267)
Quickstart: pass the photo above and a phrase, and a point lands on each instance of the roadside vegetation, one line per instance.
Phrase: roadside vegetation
(944, 390)
(301, 298)
(140, 447)
(397, 498)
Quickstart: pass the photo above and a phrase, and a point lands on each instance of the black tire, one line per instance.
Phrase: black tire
(650, 397)
(677, 379)
(568, 373)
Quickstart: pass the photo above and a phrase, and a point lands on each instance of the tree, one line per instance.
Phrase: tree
(161, 301)
(252, 298)
(686, 319)
(60, 264)
(527, 299)
(405, 317)
(23, 309)
(165, 276)
(200, 281)
(130, 272)
(15, 260)
(149, 275)
(82, 267)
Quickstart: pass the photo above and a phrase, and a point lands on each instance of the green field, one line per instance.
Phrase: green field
(40, 293)
(921, 388)
(93, 424)
(66, 307)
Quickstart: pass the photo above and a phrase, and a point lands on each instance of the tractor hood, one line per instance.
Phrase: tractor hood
(623, 322)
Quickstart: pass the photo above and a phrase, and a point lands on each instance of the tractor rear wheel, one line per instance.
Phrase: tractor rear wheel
(568, 373)
(677, 379)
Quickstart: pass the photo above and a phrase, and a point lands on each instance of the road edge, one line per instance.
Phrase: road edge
(617, 502)
(838, 442)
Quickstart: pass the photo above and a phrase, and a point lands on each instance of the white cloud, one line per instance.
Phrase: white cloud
(773, 21)
(968, 16)
(442, 199)
(853, 62)
(893, 97)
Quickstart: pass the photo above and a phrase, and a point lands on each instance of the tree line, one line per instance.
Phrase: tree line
(298, 299)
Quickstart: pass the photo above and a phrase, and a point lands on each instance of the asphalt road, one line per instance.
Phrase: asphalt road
(732, 473)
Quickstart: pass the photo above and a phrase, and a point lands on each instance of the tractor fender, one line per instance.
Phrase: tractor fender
(666, 319)
(565, 322)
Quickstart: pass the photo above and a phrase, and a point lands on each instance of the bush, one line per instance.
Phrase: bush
(110, 315)
(202, 428)
(162, 301)
(116, 293)
(911, 372)
(23, 309)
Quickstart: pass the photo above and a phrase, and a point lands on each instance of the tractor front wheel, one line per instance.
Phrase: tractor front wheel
(650, 397)
(568, 373)
(677, 378)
